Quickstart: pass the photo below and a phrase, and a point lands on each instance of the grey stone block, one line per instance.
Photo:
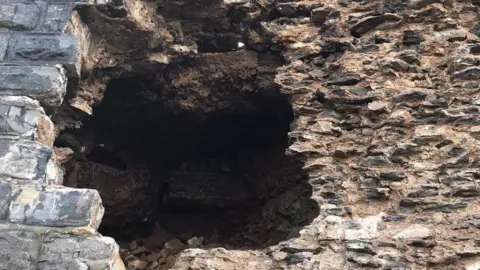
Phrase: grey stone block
(5, 198)
(49, 16)
(45, 84)
(4, 41)
(19, 249)
(43, 49)
(56, 17)
(20, 16)
(61, 251)
(66, 263)
(26, 16)
(57, 207)
(7, 12)
(24, 118)
(27, 162)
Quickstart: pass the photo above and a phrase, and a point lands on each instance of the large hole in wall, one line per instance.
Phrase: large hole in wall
(195, 148)
(191, 174)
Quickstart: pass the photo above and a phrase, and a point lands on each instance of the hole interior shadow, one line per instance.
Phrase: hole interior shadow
(221, 173)
(222, 176)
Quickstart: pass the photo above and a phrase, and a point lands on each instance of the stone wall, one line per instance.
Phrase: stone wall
(387, 106)
(386, 99)
(44, 225)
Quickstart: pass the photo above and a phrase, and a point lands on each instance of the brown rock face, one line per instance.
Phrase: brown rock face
(342, 135)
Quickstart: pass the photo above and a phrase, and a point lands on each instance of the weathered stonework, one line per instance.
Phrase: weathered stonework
(42, 225)
(385, 95)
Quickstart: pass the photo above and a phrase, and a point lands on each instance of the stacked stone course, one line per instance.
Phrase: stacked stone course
(43, 225)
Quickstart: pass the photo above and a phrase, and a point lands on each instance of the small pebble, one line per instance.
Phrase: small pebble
(137, 264)
(154, 256)
(153, 265)
(279, 255)
(130, 257)
(173, 247)
(195, 241)
(139, 250)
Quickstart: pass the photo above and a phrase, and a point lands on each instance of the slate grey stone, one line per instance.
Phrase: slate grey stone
(3, 118)
(56, 17)
(4, 40)
(96, 248)
(470, 73)
(367, 24)
(20, 117)
(5, 198)
(409, 95)
(7, 12)
(375, 161)
(360, 246)
(73, 264)
(46, 84)
(57, 207)
(26, 16)
(18, 249)
(21, 121)
(319, 15)
(26, 162)
(62, 251)
(20, 16)
(344, 80)
(43, 48)
(411, 37)
(392, 176)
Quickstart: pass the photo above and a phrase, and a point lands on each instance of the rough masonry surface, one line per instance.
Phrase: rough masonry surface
(386, 99)
(43, 225)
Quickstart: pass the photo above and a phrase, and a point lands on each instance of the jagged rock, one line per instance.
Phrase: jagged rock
(137, 264)
(385, 21)
(378, 106)
(470, 73)
(452, 35)
(174, 246)
(319, 15)
(392, 176)
(475, 132)
(427, 134)
(418, 4)
(362, 229)
(409, 56)
(358, 246)
(415, 231)
(344, 80)
(411, 37)
(374, 161)
(475, 30)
